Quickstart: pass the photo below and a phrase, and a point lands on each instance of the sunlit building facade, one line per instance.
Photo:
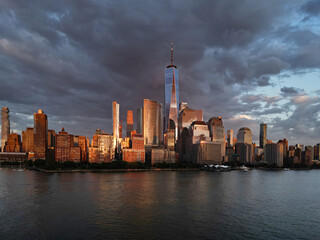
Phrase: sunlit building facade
(116, 123)
(129, 123)
(5, 126)
(40, 135)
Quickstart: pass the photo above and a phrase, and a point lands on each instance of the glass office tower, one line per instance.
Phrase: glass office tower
(171, 97)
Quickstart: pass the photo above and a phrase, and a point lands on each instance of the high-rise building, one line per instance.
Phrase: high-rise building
(40, 135)
(120, 129)
(51, 138)
(217, 133)
(65, 149)
(105, 145)
(116, 123)
(230, 138)
(171, 96)
(129, 123)
(263, 135)
(187, 116)
(5, 126)
(152, 122)
(139, 120)
(274, 154)
(27, 140)
(244, 136)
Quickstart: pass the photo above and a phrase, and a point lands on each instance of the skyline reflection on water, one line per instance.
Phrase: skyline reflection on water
(157, 205)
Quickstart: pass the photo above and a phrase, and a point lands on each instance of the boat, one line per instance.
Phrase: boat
(244, 168)
(286, 169)
(20, 169)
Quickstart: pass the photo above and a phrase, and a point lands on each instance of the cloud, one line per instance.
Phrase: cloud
(73, 58)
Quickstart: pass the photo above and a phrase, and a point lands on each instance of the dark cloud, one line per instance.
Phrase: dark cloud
(311, 7)
(73, 58)
(290, 90)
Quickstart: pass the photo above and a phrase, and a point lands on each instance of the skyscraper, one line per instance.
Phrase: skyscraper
(263, 135)
(230, 137)
(5, 126)
(171, 96)
(139, 120)
(129, 123)
(244, 135)
(115, 119)
(27, 140)
(40, 135)
(152, 122)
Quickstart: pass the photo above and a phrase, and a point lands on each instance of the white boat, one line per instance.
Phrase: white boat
(244, 168)
(286, 169)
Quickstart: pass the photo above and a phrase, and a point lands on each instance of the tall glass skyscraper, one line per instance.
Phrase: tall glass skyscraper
(171, 96)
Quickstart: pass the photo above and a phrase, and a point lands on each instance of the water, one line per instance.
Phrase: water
(160, 205)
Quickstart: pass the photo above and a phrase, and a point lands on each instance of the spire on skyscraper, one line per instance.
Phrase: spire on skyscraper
(171, 65)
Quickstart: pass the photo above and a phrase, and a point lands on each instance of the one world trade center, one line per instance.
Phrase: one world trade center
(171, 97)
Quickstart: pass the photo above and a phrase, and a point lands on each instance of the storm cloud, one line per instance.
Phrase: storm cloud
(73, 58)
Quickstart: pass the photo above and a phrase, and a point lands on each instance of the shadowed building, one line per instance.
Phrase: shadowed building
(230, 138)
(120, 129)
(171, 96)
(27, 140)
(51, 138)
(273, 154)
(40, 135)
(5, 126)
(139, 120)
(13, 144)
(129, 123)
(263, 135)
(244, 145)
(83, 144)
(152, 122)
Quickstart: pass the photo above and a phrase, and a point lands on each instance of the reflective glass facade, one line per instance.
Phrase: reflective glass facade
(171, 96)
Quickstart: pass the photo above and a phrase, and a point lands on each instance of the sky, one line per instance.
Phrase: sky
(248, 61)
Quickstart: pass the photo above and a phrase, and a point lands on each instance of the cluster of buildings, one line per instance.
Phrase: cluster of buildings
(170, 132)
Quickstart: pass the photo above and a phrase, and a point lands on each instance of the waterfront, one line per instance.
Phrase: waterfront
(160, 205)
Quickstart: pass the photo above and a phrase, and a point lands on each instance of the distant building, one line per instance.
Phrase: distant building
(244, 136)
(308, 156)
(5, 126)
(51, 138)
(94, 155)
(152, 122)
(187, 116)
(230, 138)
(171, 96)
(120, 129)
(245, 152)
(263, 135)
(13, 144)
(129, 123)
(13, 157)
(27, 140)
(116, 123)
(40, 135)
(83, 144)
(136, 153)
(274, 154)
(317, 151)
(139, 120)
(65, 149)
(105, 145)
(217, 134)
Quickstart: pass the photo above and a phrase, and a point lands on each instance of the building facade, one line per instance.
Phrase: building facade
(27, 140)
(13, 144)
(5, 126)
(152, 122)
(116, 123)
(129, 123)
(244, 136)
(263, 135)
(40, 135)
(273, 154)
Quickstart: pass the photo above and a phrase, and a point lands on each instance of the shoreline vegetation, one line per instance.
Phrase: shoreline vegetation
(50, 166)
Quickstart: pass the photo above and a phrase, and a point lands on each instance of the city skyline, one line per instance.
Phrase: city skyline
(245, 71)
